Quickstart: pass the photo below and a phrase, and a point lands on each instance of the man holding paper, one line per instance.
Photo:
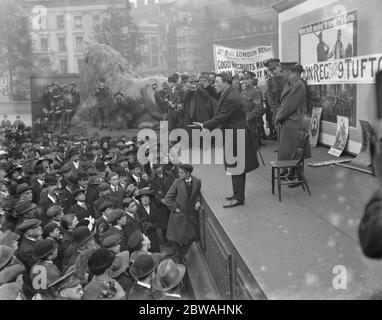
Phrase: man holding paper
(231, 115)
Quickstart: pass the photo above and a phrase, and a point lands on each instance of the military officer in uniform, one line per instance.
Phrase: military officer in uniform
(274, 89)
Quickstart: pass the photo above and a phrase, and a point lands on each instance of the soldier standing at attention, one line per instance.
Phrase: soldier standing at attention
(274, 89)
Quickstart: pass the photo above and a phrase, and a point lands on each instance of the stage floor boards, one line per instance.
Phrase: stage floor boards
(292, 247)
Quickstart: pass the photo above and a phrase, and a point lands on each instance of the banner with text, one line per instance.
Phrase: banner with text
(350, 70)
(236, 61)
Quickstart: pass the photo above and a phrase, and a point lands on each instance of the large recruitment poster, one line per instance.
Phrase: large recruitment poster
(326, 49)
(237, 61)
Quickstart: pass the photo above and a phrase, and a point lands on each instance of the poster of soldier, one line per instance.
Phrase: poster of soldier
(329, 40)
(342, 136)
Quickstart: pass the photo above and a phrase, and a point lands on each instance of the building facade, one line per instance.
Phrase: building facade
(62, 30)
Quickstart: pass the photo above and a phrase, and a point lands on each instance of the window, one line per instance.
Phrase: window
(96, 20)
(44, 44)
(61, 44)
(61, 21)
(63, 66)
(80, 43)
(78, 21)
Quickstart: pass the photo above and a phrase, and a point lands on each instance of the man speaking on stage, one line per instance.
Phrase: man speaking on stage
(232, 115)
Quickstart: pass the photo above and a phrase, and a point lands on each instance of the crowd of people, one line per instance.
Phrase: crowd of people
(81, 218)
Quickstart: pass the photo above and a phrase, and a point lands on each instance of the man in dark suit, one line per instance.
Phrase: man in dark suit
(232, 115)
(67, 199)
(132, 220)
(134, 177)
(104, 192)
(37, 183)
(74, 162)
(117, 193)
(32, 231)
(49, 200)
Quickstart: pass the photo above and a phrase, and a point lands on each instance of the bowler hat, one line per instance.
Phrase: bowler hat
(22, 188)
(44, 248)
(72, 180)
(82, 175)
(227, 77)
(168, 275)
(186, 167)
(143, 266)
(29, 224)
(111, 241)
(54, 211)
(120, 264)
(134, 165)
(101, 259)
(135, 239)
(81, 235)
(100, 165)
(6, 254)
(23, 207)
(104, 205)
(172, 79)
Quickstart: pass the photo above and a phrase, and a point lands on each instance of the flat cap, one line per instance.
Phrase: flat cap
(54, 211)
(186, 167)
(111, 241)
(114, 215)
(29, 224)
(106, 204)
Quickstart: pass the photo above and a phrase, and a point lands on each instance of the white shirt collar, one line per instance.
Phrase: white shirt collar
(144, 285)
(189, 180)
(51, 198)
(76, 164)
(41, 182)
(103, 216)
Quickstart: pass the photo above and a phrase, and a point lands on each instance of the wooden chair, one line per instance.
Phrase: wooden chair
(296, 162)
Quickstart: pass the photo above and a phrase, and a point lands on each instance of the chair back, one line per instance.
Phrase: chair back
(302, 141)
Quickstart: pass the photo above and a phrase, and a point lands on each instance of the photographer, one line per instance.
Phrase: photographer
(104, 102)
(197, 102)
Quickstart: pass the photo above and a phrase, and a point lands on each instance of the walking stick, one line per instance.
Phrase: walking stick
(261, 156)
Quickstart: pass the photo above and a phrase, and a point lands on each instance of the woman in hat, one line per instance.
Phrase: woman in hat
(149, 214)
(80, 208)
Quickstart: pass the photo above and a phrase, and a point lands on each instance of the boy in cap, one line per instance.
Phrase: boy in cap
(67, 199)
(113, 243)
(117, 221)
(32, 232)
